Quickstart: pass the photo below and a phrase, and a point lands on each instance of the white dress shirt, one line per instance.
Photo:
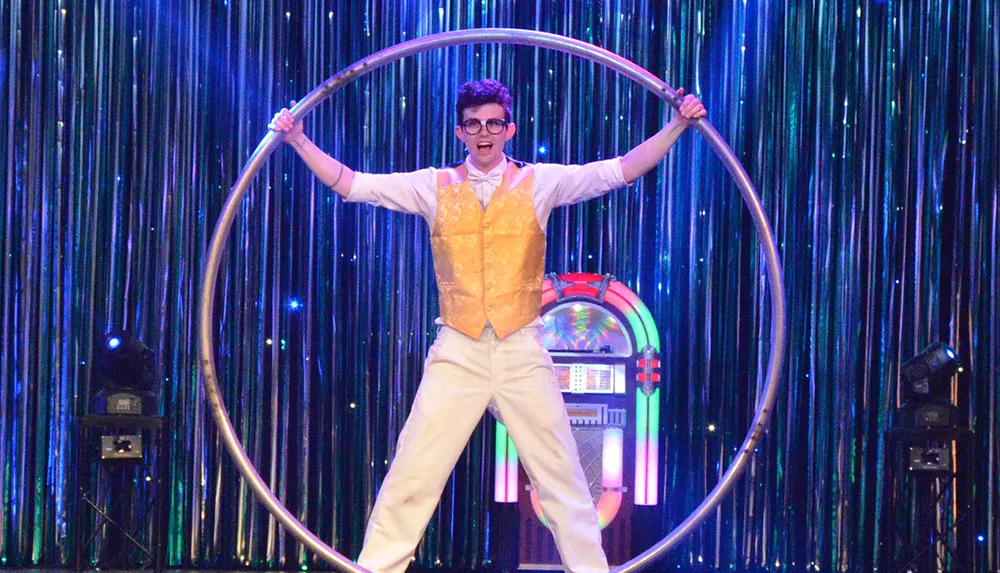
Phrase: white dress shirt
(555, 185)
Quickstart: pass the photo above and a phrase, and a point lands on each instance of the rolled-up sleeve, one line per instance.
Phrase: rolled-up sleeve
(558, 185)
(569, 184)
(414, 192)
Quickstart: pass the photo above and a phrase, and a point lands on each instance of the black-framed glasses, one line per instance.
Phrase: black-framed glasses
(493, 125)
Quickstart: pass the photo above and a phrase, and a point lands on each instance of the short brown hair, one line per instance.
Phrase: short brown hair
(481, 92)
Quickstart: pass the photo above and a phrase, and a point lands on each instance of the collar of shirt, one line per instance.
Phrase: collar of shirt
(484, 184)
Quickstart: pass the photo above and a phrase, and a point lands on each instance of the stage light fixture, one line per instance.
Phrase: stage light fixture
(124, 376)
(925, 387)
(927, 376)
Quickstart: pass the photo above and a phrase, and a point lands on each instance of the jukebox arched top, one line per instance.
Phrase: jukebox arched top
(582, 327)
(563, 291)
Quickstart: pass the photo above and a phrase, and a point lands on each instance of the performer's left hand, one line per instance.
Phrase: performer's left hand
(691, 109)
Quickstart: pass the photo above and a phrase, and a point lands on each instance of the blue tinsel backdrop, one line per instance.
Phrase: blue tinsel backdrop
(869, 128)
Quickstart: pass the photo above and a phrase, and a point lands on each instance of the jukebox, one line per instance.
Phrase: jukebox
(605, 351)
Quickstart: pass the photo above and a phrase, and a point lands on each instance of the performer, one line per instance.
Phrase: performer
(487, 218)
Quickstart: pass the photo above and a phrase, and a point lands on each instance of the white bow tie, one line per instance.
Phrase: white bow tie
(491, 178)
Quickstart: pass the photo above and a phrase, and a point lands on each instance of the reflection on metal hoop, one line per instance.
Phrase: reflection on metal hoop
(206, 309)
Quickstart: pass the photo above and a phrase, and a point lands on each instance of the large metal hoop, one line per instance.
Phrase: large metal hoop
(500, 36)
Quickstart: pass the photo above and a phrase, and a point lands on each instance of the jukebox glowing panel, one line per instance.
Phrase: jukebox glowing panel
(605, 350)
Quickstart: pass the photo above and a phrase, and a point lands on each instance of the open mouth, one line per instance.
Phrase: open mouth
(484, 147)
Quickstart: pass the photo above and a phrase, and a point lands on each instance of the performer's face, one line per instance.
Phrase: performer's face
(485, 147)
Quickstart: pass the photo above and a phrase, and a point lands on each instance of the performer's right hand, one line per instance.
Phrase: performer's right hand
(283, 121)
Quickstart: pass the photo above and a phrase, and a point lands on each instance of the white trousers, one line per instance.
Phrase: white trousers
(462, 378)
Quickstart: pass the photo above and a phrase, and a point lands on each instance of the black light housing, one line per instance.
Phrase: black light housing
(925, 388)
(123, 361)
(124, 375)
(927, 376)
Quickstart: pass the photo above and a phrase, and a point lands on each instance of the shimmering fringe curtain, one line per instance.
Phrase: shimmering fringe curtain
(869, 128)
